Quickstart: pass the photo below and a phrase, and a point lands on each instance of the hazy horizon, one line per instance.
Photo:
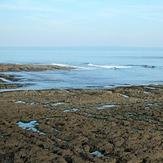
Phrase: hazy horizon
(84, 47)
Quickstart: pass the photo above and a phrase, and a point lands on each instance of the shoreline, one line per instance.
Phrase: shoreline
(9, 78)
(8, 81)
(119, 124)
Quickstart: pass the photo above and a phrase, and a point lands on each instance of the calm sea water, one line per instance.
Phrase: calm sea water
(97, 67)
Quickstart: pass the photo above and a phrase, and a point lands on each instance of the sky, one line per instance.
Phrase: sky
(81, 23)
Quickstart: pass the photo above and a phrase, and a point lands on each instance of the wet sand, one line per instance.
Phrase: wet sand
(117, 125)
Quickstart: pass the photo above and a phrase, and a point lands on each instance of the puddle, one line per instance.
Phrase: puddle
(20, 102)
(106, 106)
(146, 92)
(125, 96)
(55, 104)
(97, 153)
(23, 102)
(30, 126)
(129, 113)
(5, 80)
(37, 103)
(34, 103)
(68, 110)
(153, 104)
(139, 116)
(46, 118)
(153, 88)
(75, 109)
(58, 103)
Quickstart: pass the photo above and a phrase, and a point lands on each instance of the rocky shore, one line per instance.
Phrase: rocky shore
(7, 80)
(119, 125)
(31, 67)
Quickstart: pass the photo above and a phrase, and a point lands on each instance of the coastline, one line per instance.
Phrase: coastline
(8, 81)
(117, 125)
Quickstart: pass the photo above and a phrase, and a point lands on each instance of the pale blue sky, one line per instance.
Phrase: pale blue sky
(81, 22)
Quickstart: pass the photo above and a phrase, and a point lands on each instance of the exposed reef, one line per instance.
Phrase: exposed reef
(123, 124)
(31, 67)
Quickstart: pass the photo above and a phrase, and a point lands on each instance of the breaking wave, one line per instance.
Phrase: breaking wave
(108, 66)
(90, 66)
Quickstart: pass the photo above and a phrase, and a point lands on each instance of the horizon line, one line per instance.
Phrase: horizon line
(81, 46)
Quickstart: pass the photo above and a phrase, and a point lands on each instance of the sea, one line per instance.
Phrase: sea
(95, 67)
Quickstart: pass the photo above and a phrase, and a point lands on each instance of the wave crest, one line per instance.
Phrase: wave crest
(108, 67)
